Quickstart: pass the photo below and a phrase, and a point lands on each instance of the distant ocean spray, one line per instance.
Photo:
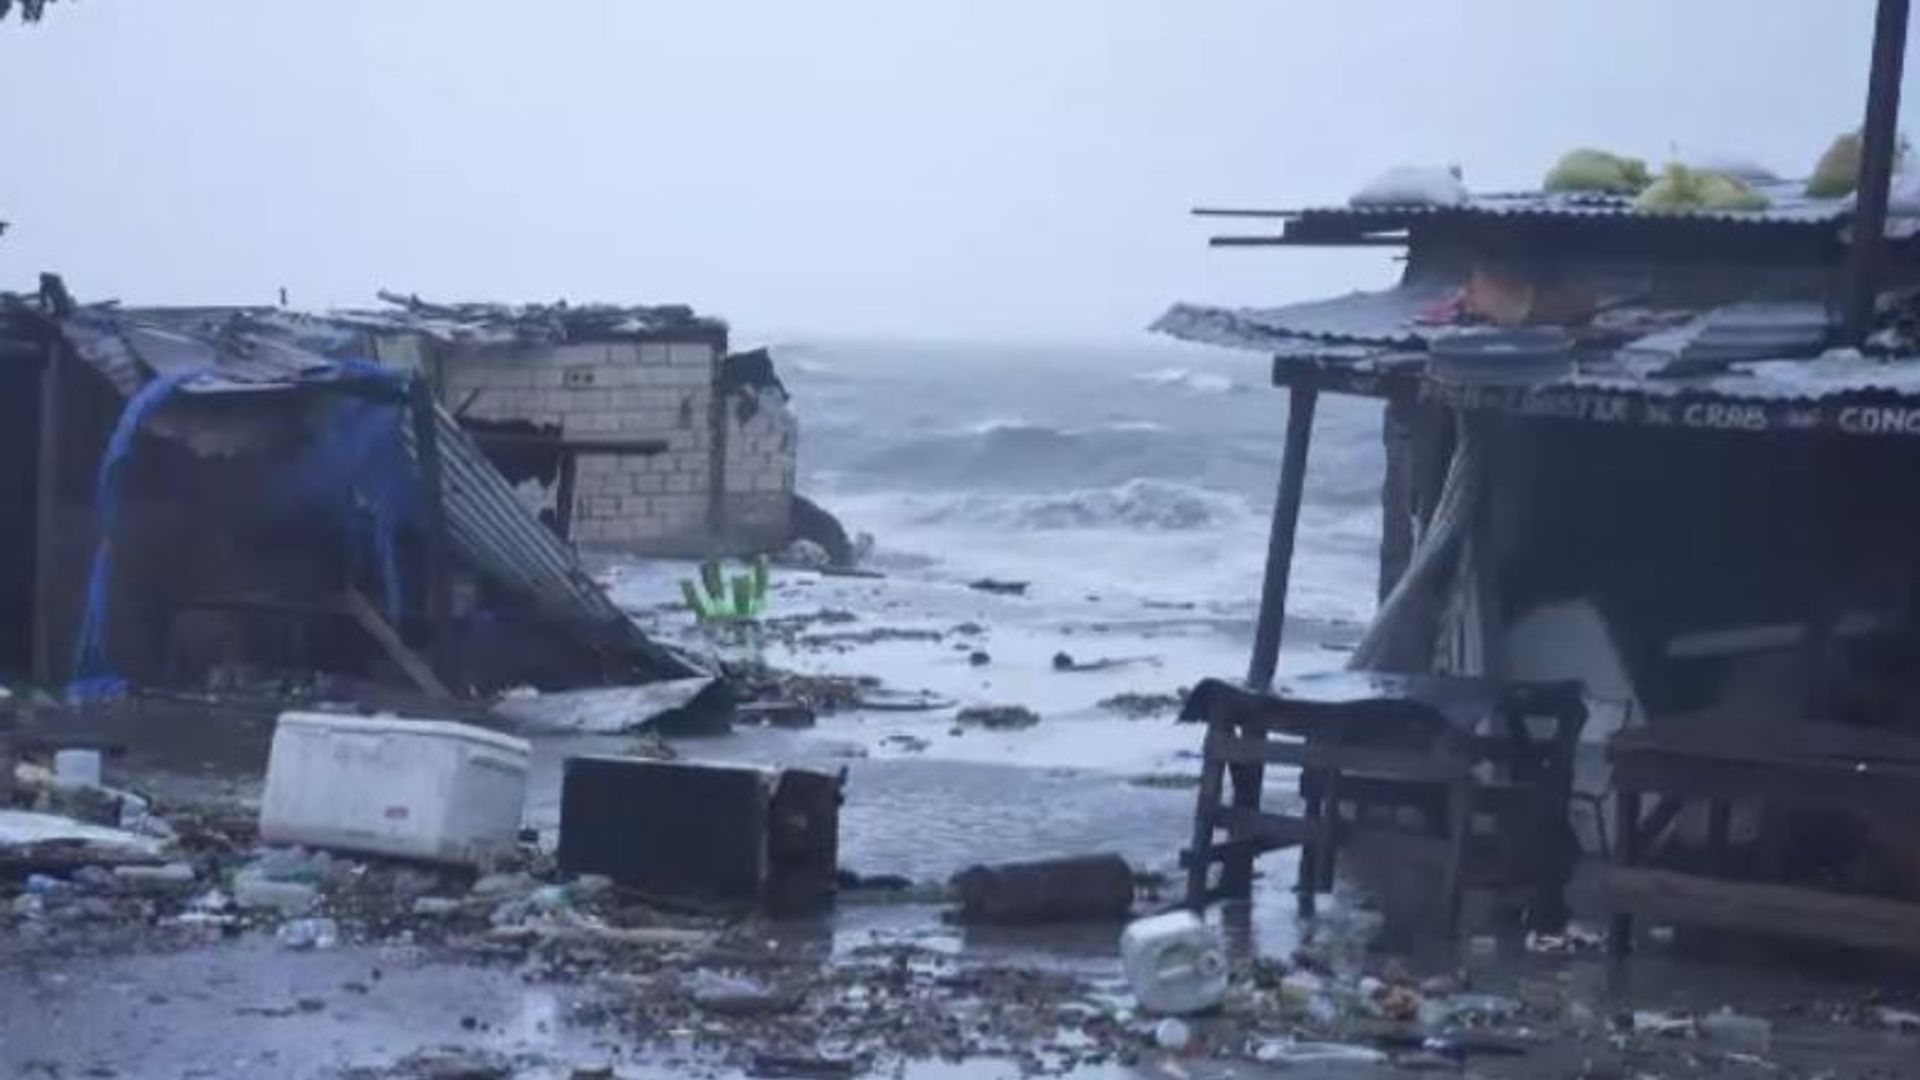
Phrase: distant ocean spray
(1148, 468)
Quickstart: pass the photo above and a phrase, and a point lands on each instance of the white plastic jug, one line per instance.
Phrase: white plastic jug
(1174, 963)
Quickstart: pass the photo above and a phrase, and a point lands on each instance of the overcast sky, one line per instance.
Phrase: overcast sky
(958, 169)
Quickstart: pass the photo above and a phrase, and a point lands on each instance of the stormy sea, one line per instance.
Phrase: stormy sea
(1144, 474)
(1128, 491)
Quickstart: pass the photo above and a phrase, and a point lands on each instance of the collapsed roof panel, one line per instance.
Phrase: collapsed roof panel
(487, 526)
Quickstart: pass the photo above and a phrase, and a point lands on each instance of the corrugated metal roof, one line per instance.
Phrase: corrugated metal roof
(496, 534)
(1384, 317)
(498, 325)
(1788, 208)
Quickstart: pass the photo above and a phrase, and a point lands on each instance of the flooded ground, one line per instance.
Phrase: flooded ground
(924, 799)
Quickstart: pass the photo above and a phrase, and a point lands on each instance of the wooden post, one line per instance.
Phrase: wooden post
(46, 511)
(1879, 147)
(563, 494)
(1286, 522)
(426, 445)
(1396, 491)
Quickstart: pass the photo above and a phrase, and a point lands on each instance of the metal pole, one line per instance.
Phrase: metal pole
(1878, 149)
(1286, 522)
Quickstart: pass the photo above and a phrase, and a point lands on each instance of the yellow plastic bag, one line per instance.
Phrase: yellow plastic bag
(1838, 169)
(1596, 170)
(1681, 189)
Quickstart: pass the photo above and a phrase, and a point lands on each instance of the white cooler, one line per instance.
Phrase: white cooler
(423, 789)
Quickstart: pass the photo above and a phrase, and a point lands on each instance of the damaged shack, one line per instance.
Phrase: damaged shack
(628, 429)
(230, 500)
(1660, 452)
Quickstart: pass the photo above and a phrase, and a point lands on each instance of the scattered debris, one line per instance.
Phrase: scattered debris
(1903, 1020)
(30, 839)
(1091, 887)
(1166, 781)
(1139, 706)
(997, 717)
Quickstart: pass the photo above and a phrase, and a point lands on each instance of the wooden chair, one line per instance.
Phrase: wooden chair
(1384, 741)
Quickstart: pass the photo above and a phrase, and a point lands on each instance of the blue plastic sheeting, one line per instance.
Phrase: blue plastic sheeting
(355, 474)
(91, 675)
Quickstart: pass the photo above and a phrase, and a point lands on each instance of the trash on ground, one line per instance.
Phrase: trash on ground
(1090, 888)
(1294, 1052)
(997, 717)
(618, 710)
(1897, 1019)
(1745, 1034)
(1175, 963)
(1648, 1022)
(318, 934)
(1173, 1036)
(27, 837)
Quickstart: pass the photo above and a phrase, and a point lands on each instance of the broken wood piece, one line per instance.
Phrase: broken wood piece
(383, 633)
(776, 1066)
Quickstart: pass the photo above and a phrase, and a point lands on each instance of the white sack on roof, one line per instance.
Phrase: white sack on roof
(1413, 185)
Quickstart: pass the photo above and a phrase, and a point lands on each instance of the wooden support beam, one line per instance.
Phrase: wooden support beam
(46, 511)
(563, 494)
(1879, 149)
(1301, 401)
(377, 627)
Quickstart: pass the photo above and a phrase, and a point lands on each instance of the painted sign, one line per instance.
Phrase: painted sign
(1695, 412)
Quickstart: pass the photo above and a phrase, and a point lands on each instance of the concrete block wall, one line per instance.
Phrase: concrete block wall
(654, 504)
(762, 452)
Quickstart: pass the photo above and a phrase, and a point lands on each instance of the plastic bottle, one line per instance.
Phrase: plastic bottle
(1174, 963)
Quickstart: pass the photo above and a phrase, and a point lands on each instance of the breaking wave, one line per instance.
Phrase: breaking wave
(1199, 382)
(1011, 454)
(1152, 505)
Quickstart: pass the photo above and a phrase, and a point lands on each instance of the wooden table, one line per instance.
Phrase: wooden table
(1832, 767)
(1451, 747)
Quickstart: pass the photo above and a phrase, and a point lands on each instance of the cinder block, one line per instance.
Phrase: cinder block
(691, 354)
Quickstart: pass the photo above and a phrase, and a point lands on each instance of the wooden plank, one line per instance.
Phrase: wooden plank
(1301, 401)
(1817, 785)
(563, 495)
(1280, 829)
(1410, 765)
(1245, 847)
(1791, 911)
(382, 632)
(525, 440)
